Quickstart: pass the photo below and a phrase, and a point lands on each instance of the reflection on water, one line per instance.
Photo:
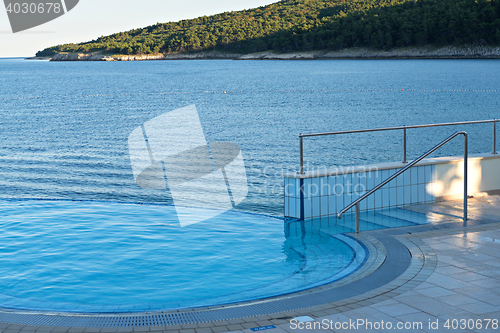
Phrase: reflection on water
(65, 124)
(105, 256)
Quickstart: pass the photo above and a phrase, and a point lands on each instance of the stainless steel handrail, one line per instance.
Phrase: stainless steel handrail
(382, 184)
(404, 128)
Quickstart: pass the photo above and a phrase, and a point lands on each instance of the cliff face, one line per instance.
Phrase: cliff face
(100, 57)
(449, 52)
(426, 52)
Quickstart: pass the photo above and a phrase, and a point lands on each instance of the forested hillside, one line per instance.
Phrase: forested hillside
(304, 25)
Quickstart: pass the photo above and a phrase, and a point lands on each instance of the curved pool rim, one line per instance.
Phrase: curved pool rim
(402, 264)
(274, 306)
(351, 268)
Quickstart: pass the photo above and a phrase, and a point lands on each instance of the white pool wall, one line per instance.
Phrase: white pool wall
(326, 192)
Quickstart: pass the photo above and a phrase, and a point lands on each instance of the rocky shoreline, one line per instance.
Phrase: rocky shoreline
(448, 52)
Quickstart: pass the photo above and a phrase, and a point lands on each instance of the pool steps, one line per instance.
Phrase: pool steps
(386, 218)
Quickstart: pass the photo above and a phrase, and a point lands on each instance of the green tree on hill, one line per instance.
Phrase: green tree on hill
(303, 25)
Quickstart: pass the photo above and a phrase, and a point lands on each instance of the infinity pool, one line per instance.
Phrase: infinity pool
(117, 257)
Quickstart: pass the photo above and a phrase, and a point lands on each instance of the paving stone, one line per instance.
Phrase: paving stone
(141, 329)
(429, 305)
(109, 329)
(188, 326)
(435, 292)
(204, 330)
(44, 329)
(76, 330)
(457, 299)
(479, 307)
(14, 327)
(235, 327)
(397, 309)
(60, 329)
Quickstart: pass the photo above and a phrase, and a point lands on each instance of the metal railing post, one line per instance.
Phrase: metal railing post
(404, 145)
(301, 144)
(494, 136)
(357, 218)
(466, 160)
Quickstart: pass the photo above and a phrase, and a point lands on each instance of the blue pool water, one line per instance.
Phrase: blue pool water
(117, 257)
(64, 136)
(65, 125)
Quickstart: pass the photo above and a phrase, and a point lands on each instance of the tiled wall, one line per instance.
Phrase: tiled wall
(327, 195)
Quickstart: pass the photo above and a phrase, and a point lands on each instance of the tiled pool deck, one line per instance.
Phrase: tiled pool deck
(454, 274)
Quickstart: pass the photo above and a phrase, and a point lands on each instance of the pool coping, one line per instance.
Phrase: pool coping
(376, 256)
(401, 268)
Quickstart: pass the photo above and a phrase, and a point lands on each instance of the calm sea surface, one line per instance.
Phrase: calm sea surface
(64, 125)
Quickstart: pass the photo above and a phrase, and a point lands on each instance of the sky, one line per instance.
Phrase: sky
(91, 19)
